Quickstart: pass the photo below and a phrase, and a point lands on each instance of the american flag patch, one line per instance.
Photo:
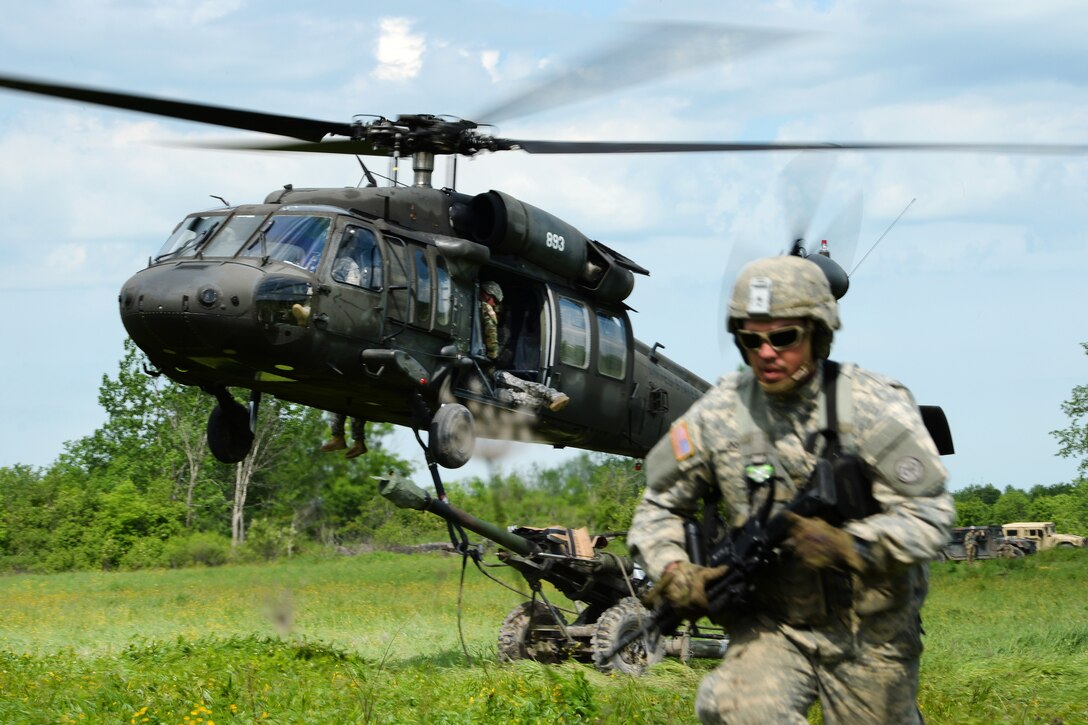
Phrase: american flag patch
(681, 441)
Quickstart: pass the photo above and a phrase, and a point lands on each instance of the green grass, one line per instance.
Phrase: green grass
(374, 639)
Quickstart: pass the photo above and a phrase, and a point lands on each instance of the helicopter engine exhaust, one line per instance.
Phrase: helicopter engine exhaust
(509, 226)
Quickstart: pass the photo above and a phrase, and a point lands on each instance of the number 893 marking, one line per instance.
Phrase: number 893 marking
(555, 241)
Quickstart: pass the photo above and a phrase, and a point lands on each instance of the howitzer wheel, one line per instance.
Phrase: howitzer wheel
(517, 639)
(616, 621)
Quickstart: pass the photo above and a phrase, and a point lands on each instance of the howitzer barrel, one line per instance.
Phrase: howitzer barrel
(405, 494)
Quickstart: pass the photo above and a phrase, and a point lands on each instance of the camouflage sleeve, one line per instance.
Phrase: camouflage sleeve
(677, 479)
(489, 319)
(916, 512)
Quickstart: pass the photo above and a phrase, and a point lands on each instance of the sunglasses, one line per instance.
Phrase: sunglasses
(781, 339)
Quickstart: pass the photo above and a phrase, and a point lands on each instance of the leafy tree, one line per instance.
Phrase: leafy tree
(1073, 440)
(973, 512)
(325, 496)
(269, 427)
(184, 413)
(986, 493)
(1012, 506)
(1039, 491)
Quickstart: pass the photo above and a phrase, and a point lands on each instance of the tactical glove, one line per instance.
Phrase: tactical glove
(684, 586)
(820, 545)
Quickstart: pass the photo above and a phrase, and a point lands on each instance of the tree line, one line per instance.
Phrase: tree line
(143, 490)
(1066, 504)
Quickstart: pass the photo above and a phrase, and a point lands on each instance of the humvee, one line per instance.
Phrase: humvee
(994, 544)
(1043, 534)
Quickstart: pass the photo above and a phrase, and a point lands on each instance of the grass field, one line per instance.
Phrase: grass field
(375, 639)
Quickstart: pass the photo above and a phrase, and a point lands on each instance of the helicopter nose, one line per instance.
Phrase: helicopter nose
(206, 309)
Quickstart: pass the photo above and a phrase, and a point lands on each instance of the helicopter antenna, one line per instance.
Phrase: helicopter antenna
(894, 221)
(371, 181)
(225, 203)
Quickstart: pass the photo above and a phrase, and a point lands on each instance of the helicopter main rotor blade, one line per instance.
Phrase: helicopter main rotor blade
(664, 147)
(843, 232)
(801, 188)
(454, 144)
(358, 147)
(300, 128)
(485, 143)
(649, 53)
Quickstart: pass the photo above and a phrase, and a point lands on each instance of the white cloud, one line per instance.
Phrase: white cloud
(67, 257)
(194, 12)
(992, 241)
(489, 59)
(399, 51)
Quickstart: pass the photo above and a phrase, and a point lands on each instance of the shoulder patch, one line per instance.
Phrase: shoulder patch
(682, 447)
(909, 470)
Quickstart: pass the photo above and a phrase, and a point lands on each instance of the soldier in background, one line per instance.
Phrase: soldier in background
(971, 541)
(837, 617)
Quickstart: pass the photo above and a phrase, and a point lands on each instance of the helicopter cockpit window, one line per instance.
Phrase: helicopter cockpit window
(573, 333)
(230, 238)
(612, 360)
(297, 240)
(423, 288)
(359, 260)
(189, 235)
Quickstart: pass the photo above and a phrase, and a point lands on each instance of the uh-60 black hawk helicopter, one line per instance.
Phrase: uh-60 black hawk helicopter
(256, 296)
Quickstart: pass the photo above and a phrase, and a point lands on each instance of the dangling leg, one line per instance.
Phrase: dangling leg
(358, 432)
(337, 442)
(532, 394)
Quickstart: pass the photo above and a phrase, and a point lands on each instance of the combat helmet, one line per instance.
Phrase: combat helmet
(492, 288)
(786, 287)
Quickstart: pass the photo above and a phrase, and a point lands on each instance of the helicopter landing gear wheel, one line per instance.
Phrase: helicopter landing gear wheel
(452, 435)
(229, 436)
(516, 640)
(616, 621)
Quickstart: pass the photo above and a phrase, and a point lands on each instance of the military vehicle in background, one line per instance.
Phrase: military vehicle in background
(1043, 534)
(993, 544)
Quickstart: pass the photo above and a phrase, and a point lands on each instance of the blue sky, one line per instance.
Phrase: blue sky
(974, 299)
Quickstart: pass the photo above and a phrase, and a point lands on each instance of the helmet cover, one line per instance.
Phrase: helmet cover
(492, 288)
(783, 287)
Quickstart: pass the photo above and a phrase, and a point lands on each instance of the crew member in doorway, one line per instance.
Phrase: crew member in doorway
(524, 393)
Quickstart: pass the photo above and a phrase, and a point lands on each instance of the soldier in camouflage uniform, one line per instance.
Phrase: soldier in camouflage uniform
(837, 618)
(490, 299)
(521, 392)
(970, 544)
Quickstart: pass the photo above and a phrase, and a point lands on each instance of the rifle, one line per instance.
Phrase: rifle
(836, 492)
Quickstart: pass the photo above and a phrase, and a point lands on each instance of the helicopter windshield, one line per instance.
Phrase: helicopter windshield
(232, 235)
(297, 240)
(189, 235)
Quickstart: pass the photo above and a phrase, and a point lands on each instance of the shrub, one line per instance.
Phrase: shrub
(145, 553)
(265, 541)
(203, 548)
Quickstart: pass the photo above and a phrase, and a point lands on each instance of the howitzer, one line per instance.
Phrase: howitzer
(836, 492)
(571, 560)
